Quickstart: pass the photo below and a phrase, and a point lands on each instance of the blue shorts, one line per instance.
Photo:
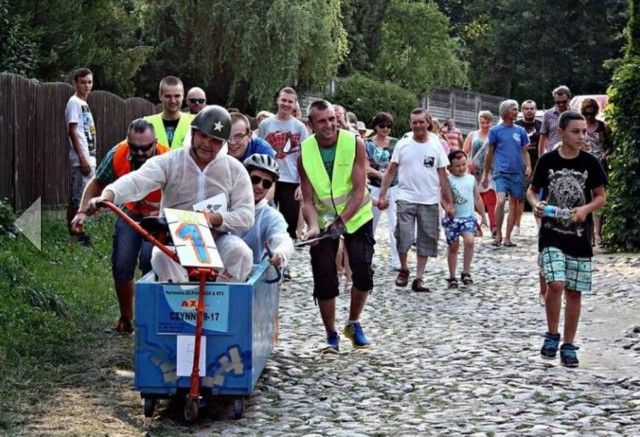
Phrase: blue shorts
(127, 246)
(574, 271)
(454, 227)
(512, 183)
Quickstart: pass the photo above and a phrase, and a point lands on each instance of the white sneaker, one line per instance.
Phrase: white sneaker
(516, 231)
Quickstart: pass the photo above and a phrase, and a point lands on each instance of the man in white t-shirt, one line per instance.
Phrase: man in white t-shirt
(422, 179)
(285, 133)
(82, 144)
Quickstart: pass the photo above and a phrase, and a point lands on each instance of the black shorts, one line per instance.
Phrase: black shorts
(359, 246)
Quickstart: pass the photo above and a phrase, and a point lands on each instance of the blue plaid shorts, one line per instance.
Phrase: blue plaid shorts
(454, 227)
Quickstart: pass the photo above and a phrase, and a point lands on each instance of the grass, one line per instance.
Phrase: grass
(55, 304)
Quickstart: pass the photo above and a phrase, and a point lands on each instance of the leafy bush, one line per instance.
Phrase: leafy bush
(366, 97)
(7, 218)
(622, 210)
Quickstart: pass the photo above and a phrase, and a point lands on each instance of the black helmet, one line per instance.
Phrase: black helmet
(263, 162)
(214, 121)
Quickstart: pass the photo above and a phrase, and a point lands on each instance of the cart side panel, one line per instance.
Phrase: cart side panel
(265, 322)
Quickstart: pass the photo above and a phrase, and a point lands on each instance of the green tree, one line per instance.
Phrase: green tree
(365, 97)
(416, 51)
(622, 210)
(242, 52)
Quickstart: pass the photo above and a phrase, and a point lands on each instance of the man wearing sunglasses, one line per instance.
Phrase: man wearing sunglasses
(270, 226)
(190, 175)
(196, 100)
(171, 125)
(549, 134)
(242, 144)
(126, 157)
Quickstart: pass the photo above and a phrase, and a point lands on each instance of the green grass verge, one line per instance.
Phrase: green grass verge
(54, 305)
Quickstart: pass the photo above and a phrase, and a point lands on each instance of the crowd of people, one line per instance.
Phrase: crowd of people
(327, 179)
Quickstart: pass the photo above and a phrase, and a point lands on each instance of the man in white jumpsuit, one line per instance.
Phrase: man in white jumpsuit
(190, 175)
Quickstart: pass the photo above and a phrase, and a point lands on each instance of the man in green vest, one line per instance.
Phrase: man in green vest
(171, 125)
(332, 167)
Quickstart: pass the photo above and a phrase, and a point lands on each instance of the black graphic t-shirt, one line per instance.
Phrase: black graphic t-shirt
(170, 127)
(567, 183)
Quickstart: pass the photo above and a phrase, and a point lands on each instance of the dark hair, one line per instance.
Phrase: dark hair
(381, 118)
(81, 72)
(589, 103)
(568, 117)
(319, 105)
(456, 154)
(140, 126)
(171, 81)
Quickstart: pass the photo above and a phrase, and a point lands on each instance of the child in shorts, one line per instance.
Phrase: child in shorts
(574, 179)
(466, 198)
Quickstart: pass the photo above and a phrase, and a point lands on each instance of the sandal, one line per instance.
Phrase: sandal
(453, 283)
(403, 278)
(418, 286)
(497, 242)
(466, 278)
(509, 243)
(122, 326)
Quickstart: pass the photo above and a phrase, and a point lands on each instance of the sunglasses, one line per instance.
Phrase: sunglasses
(141, 148)
(385, 126)
(199, 101)
(266, 183)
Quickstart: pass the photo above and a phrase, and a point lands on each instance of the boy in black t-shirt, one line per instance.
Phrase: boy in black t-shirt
(574, 179)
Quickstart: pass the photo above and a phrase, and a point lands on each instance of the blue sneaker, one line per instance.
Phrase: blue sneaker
(333, 344)
(550, 346)
(353, 332)
(568, 355)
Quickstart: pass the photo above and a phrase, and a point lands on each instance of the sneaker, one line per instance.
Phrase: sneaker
(353, 332)
(516, 231)
(550, 346)
(333, 344)
(568, 356)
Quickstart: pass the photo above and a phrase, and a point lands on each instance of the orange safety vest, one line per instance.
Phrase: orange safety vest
(150, 205)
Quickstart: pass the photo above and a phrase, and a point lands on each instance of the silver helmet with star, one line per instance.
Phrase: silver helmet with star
(214, 121)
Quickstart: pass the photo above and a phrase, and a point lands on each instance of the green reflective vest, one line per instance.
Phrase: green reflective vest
(332, 194)
(184, 124)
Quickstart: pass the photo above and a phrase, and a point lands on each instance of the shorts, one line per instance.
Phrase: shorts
(77, 182)
(426, 217)
(454, 227)
(128, 246)
(360, 248)
(574, 271)
(512, 183)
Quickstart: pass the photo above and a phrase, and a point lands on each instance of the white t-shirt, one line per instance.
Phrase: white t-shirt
(285, 137)
(78, 112)
(418, 165)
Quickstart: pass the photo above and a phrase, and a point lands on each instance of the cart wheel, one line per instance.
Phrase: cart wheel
(191, 410)
(149, 406)
(238, 408)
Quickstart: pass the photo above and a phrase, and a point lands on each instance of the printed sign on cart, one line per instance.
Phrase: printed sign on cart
(192, 239)
(177, 311)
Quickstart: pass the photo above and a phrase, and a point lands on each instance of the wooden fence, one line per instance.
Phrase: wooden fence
(34, 146)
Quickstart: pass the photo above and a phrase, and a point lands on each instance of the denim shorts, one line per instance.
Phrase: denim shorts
(128, 246)
(574, 271)
(454, 227)
(512, 183)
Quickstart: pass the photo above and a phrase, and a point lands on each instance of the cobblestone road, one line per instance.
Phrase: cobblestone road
(463, 362)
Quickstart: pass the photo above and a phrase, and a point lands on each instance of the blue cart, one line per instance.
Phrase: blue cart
(239, 332)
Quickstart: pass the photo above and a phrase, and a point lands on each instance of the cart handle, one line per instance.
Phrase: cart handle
(269, 255)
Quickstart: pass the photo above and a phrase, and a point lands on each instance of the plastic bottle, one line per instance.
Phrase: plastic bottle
(556, 212)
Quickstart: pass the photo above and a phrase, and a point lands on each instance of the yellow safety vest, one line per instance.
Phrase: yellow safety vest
(331, 195)
(184, 124)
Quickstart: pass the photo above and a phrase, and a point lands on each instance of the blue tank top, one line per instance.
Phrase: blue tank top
(462, 187)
